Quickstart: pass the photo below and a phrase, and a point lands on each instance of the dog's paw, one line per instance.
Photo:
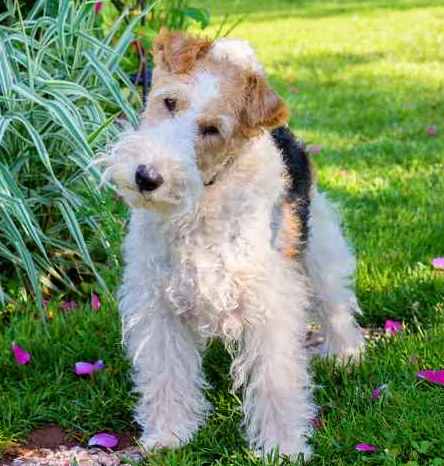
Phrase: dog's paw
(344, 350)
(152, 441)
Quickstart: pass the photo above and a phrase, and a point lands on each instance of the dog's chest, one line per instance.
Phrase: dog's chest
(204, 286)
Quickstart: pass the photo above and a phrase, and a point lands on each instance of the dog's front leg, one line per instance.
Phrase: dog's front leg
(168, 376)
(272, 368)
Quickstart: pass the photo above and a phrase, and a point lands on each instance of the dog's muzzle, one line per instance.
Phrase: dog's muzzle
(148, 178)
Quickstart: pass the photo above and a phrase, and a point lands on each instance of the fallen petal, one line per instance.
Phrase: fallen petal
(83, 368)
(378, 391)
(432, 376)
(317, 423)
(69, 305)
(21, 356)
(392, 327)
(432, 130)
(95, 302)
(103, 439)
(88, 368)
(366, 447)
(438, 263)
(98, 6)
(314, 149)
(99, 365)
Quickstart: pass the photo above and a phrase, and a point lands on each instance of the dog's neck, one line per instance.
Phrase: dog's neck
(256, 167)
(246, 190)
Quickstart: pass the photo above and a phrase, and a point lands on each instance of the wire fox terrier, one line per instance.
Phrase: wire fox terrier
(228, 238)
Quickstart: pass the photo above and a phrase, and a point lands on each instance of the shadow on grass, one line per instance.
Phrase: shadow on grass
(384, 171)
(365, 106)
(395, 234)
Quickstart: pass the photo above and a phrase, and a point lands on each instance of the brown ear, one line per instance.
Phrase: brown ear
(263, 107)
(177, 52)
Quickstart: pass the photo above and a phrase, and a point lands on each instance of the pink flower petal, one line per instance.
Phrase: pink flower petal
(103, 439)
(99, 365)
(366, 448)
(88, 368)
(314, 149)
(83, 368)
(438, 263)
(432, 130)
(392, 327)
(98, 6)
(378, 391)
(317, 423)
(21, 356)
(69, 305)
(45, 303)
(432, 376)
(95, 302)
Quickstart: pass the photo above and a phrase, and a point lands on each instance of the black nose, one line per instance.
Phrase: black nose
(148, 178)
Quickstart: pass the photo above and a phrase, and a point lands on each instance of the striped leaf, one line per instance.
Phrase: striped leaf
(107, 80)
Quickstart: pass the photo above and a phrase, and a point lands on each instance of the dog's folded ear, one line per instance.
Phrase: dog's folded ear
(263, 108)
(178, 52)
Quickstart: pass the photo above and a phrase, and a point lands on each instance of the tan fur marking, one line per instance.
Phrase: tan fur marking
(290, 230)
(263, 107)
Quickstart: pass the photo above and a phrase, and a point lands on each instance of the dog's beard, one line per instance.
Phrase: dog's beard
(178, 197)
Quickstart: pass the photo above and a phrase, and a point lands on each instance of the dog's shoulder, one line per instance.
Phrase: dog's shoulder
(300, 172)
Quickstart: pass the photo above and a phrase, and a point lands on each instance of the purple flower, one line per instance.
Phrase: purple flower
(88, 368)
(21, 356)
(95, 302)
(103, 439)
(438, 263)
(432, 376)
(98, 7)
(317, 423)
(69, 305)
(378, 391)
(392, 327)
(432, 131)
(314, 149)
(366, 448)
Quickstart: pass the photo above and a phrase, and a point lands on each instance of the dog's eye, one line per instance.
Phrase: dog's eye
(170, 104)
(209, 130)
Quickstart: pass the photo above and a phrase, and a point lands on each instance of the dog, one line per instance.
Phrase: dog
(228, 238)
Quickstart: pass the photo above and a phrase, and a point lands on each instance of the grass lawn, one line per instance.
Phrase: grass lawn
(364, 79)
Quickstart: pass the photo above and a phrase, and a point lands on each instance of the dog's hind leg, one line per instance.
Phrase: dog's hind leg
(331, 267)
(168, 376)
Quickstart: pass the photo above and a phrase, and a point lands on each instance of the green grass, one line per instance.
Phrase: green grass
(363, 79)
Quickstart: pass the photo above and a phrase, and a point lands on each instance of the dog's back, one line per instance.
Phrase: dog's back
(291, 223)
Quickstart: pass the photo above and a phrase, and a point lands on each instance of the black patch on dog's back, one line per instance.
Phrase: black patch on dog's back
(299, 170)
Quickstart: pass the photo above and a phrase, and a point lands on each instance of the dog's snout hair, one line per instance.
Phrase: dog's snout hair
(228, 238)
(154, 166)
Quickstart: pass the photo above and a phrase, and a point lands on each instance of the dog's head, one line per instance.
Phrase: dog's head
(207, 100)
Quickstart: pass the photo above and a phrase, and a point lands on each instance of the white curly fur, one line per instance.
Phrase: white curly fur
(238, 52)
(200, 263)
